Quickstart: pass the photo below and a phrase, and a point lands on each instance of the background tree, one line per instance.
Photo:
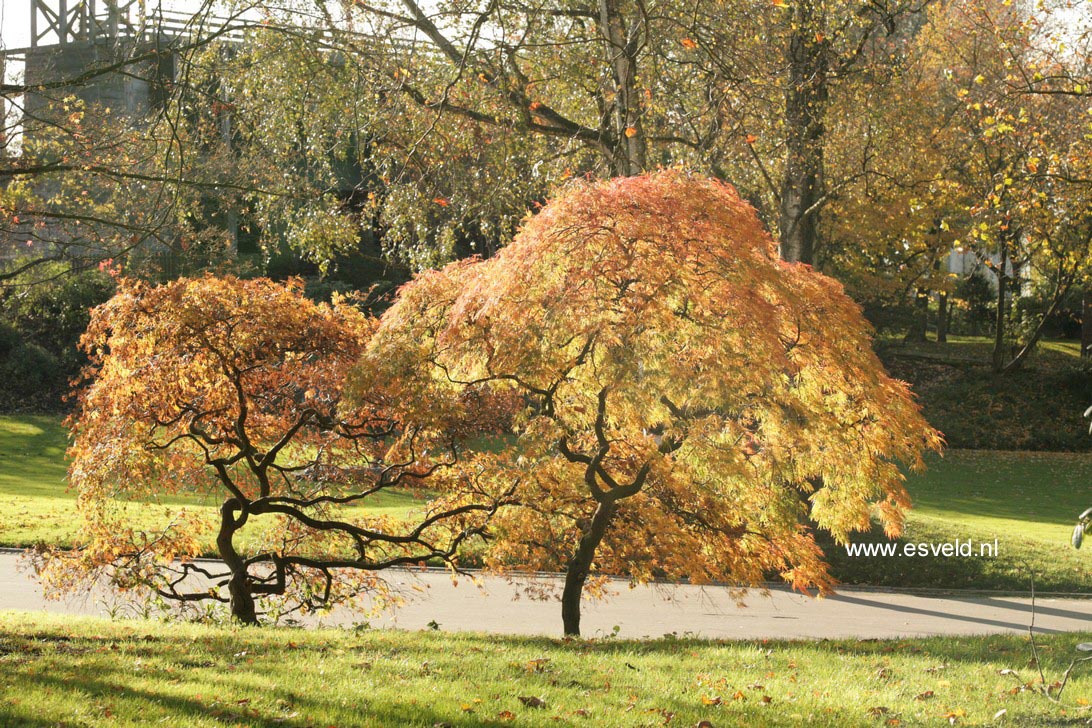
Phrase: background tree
(690, 400)
(1013, 155)
(232, 390)
(91, 168)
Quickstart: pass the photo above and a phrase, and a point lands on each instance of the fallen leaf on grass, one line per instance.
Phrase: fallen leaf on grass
(537, 665)
(924, 696)
(506, 715)
(954, 715)
(706, 700)
(878, 710)
(532, 701)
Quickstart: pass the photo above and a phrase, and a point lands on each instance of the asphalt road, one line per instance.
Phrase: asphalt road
(496, 605)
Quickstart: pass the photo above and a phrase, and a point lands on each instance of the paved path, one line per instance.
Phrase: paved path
(653, 611)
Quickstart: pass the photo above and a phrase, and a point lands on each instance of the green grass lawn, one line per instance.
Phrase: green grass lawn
(86, 672)
(36, 505)
(1027, 501)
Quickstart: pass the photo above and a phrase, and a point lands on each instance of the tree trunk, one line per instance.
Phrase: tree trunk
(242, 600)
(805, 103)
(1001, 316)
(623, 46)
(580, 566)
(1029, 346)
(942, 318)
(920, 322)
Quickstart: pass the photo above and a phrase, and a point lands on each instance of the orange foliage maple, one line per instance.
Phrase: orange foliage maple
(232, 389)
(690, 400)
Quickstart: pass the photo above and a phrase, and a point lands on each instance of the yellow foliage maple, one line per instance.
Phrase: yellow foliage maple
(689, 400)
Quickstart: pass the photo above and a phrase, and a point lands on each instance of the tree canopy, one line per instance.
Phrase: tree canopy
(231, 390)
(690, 399)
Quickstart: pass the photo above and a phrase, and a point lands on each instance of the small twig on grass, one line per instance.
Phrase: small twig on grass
(1044, 689)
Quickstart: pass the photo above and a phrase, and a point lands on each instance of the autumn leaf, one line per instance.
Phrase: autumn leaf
(688, 43)
(954, 716)
(631, 131)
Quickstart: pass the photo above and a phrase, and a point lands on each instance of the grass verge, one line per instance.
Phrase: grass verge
(65, 671)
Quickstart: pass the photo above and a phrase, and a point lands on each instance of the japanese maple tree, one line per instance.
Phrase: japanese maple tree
(690, 400)
(232, 389)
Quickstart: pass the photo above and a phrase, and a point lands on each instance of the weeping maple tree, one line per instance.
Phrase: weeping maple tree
(690, 401)
(231, 390)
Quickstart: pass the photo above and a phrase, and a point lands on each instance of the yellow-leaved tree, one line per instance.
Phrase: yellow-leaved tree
(689, 400)
(230, 390)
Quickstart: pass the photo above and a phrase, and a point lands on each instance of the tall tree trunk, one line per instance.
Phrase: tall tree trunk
(623, 44)
(242, 600)
(942, 318)
(805, 104)
(576, 574)
(1001, 316)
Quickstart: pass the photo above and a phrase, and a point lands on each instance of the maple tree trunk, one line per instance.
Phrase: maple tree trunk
(805, 102)
(242, 600)
(580, 566)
